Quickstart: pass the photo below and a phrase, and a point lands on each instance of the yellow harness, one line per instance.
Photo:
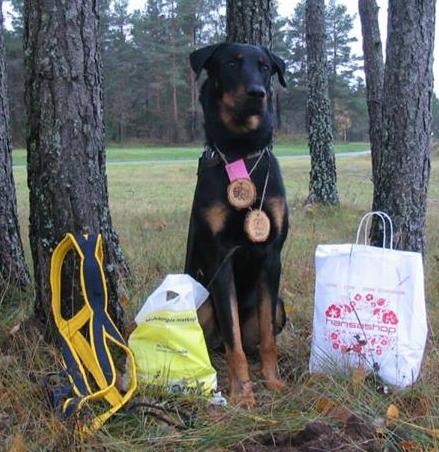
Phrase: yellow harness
(89, 355)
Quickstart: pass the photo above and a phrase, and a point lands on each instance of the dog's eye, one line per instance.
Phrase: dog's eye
(265, 67)
(231, 64)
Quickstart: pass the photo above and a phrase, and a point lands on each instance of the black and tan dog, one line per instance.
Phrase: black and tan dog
(241, 271)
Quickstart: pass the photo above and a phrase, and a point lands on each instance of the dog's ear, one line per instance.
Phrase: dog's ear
(278, 66)
(199, 58)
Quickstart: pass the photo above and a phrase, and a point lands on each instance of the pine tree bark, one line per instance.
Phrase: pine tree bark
(404, 168)
(323, 176)
(65, 143)
(249, 21)
(13, 268)
(374, 72)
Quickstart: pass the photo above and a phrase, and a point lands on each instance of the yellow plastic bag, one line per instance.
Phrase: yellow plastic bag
(168, 343)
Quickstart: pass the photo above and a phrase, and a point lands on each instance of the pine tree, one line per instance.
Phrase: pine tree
(323, 177)
(65, 144)
(401, 179)
(13, 268)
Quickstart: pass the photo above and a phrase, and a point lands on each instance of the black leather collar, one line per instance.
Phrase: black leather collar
(212, 156)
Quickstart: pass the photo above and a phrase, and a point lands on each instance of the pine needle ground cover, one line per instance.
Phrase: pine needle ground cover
(150, 205)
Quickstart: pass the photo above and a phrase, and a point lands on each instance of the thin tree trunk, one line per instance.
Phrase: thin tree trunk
(374, 71)
(13, 268)
(193, 119)
(404, 170)
(323, 177)
(175, 110)
(65, 143)
(249, 21)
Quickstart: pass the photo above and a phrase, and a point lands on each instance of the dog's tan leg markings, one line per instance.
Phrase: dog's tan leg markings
(216, 217)
(267, 347)
(277, 208)
(241, 392)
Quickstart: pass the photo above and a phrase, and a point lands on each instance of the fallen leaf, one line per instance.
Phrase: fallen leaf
(323, 405)
(14, 329)
(392, 414)
(333, 410)
(358, 378)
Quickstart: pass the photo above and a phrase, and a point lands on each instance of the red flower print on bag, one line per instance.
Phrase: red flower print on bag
(333, 311)
(390, 317)
(347, 308)
(381, 302)
(376, 320)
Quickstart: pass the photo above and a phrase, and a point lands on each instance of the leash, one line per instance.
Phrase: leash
(172, 416)
(221, 265)
(87, 336)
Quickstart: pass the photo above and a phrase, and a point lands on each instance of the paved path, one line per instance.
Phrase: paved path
(192, 160)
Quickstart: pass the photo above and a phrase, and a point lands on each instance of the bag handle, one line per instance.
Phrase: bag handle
(384, 217)
(172, 284)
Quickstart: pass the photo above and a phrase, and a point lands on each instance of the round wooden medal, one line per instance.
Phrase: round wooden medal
(241, 193)
(257, 226)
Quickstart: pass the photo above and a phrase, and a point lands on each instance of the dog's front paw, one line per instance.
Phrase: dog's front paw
(242, 394)
(275, 385)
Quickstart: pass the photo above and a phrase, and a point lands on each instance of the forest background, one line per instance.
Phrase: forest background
(150, 93)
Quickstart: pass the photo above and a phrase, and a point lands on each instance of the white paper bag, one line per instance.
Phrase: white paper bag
(369, 310)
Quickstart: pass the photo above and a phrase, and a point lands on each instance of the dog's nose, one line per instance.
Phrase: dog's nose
(256, 91)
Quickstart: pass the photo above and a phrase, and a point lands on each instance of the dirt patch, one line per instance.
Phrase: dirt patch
(317, 436)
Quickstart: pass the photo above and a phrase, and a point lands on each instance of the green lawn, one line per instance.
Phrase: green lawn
(153, 153)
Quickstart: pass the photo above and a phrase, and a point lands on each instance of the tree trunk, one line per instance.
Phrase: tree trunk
(404, 170)
(193, 118)
(13, 269)
(249, 21)
(65, 143)
(374, 71)
(323, 177)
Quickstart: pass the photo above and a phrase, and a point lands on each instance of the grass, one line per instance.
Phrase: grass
(150, 206)
(156, 153)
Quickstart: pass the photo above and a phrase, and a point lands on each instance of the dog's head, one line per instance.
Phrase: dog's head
(239, 77)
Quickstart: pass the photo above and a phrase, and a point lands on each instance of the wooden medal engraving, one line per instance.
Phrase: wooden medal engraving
(241, 193)
(257, 226)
